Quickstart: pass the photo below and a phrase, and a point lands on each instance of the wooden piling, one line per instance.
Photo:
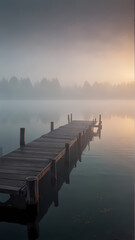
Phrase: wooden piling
(53, 171)
(22, 137)
(32, 197)
(52, 126)
(100, 121)
(71, 117)
(67, 153)
(68, 119)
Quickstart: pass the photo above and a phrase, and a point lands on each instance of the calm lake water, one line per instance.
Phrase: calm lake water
(99, 201)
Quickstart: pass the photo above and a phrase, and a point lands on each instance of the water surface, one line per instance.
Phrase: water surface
(99, 201)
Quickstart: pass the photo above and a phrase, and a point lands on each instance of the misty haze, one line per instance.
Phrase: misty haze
(51, 89)
(67, 120)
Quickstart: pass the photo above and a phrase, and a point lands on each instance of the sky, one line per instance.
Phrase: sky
(72, 40)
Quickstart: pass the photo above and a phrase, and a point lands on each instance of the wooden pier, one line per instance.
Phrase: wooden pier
(22, 169)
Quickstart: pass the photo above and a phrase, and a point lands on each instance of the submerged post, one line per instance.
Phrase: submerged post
(22, 137)
(32, 190)
(53, 171)
(67, 154)
(52, 126)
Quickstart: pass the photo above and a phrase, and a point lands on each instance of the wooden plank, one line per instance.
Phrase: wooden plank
(45, 144)
(16, 162)
(9, 189)
(28, 159)
(31, 155)
(56, 138)
(15, 176)
(23, 167)
(19, 171)
(12, 182)
(44, 171)
(43, 149)
(31, 167)
(33, 151)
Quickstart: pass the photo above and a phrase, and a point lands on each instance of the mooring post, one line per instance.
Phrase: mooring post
(32, 197)
(52, 126)
(53, 171)
(71, 117)
(67, 153)
(100, 121)
(22, 137)
(68, 119)
(99, 133)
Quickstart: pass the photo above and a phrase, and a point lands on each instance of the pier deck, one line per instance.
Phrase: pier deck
(35, 158)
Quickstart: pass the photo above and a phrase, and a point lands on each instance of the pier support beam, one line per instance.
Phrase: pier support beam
(71, 117)
(52, 126)
(68, 119)
(100, 121)
(32, 191)
(53, 171)
(22, 137)
(67, 154)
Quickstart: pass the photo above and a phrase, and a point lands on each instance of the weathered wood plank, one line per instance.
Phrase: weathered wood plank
(30, 167)
(18, 162)
(30, 159)
(19, 171)
(9, 189)
(15, 176)
(33, 151)
(43, 149)
(31, 155)
(12, 182)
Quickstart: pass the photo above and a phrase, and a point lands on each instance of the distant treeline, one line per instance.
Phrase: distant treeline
(51, 89)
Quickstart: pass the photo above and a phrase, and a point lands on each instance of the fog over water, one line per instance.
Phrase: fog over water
(37, 115)
(23, 89)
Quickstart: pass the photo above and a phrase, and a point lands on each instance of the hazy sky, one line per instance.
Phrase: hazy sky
(73, 40)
